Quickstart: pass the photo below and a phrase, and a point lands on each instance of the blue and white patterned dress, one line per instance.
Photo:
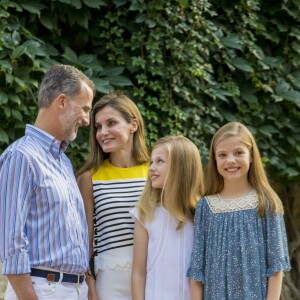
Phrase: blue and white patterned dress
(235, 250)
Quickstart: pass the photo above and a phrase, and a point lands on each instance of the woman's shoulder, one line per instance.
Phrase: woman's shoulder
(84, 177)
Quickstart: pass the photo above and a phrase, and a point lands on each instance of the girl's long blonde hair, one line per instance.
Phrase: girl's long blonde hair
(183, 185)
(257, 177)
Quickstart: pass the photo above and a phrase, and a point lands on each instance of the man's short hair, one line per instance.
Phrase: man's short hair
(61, 79)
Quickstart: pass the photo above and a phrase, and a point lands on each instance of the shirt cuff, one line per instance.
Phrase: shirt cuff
(16, 264)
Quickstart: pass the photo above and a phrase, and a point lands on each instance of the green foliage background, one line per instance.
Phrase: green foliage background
(191, 66)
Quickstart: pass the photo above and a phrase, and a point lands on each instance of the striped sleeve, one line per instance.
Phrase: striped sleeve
(15, 196)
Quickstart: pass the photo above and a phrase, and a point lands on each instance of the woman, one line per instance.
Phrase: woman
(111, 182)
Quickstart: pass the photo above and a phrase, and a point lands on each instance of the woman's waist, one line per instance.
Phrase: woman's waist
(114, 258)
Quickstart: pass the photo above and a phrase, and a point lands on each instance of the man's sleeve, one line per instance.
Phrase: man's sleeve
(15, 199)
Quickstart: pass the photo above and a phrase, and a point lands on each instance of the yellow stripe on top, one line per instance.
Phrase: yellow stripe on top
(109, 172)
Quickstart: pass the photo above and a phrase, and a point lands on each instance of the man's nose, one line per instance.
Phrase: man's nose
(86, 120)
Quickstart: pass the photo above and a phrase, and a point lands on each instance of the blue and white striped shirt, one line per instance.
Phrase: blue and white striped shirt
(42, 218)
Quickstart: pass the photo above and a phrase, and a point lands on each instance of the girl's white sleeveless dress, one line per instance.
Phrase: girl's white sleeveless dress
(169, 253)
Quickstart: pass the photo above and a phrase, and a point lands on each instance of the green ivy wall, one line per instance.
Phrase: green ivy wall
(191, 66)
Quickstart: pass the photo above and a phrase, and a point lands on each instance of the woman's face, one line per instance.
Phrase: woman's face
(113, 133)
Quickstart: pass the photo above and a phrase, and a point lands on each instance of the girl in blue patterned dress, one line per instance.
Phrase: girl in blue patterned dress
(240, 245)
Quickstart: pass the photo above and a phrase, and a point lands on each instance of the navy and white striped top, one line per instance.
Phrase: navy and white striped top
(42, 218)
(116, 191)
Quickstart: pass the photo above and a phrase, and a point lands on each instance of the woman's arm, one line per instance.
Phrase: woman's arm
(274, 286)
(196, 290)
(85, 185)
(139, 264)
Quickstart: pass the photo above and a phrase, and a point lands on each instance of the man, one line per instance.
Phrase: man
(43, 229)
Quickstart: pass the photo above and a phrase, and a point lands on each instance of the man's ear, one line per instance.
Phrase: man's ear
(61, 102)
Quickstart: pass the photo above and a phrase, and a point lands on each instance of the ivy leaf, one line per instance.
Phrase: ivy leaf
(76, 3)
(70, 55)
(282, 87)
(140, 18)
(86, 59)
(20, 83)
(3, 98)
(34, 7)
(17, 52)
(183, 3)
(16, 114)
(83, 19)
(5, 64)
(230, 117)
(274, 62)
(231, 42)
(119, 2)
(292, 96)
(16, 37)
(94, 3)
(33, 48)
(150, 23)
(242, 64)
(48, 21)
(102, 85)
(14, 99)
(3, 136)
(267, 130)
(292, 172)
(118, 80)
(112, 71)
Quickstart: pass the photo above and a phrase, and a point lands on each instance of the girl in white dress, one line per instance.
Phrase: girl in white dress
(163, 232)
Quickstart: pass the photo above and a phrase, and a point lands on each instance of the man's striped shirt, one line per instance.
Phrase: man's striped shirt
(42, 218)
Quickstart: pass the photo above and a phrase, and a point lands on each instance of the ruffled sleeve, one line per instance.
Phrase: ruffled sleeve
(196, 269)
(276, 244)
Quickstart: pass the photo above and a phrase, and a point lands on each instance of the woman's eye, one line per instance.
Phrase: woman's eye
(111, 123)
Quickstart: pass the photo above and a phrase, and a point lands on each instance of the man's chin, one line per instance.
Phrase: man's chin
(71, 138)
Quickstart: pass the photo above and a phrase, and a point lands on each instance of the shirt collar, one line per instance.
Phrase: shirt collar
(47, 141)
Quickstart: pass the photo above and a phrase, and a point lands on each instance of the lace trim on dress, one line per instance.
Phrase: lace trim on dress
(219, 205)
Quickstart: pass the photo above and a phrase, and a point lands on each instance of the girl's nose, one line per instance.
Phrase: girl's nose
(152, 167)
(230, 157)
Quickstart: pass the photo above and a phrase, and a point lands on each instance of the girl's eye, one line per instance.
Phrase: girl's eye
(221, 155)
(238, 153)
(98, 127)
